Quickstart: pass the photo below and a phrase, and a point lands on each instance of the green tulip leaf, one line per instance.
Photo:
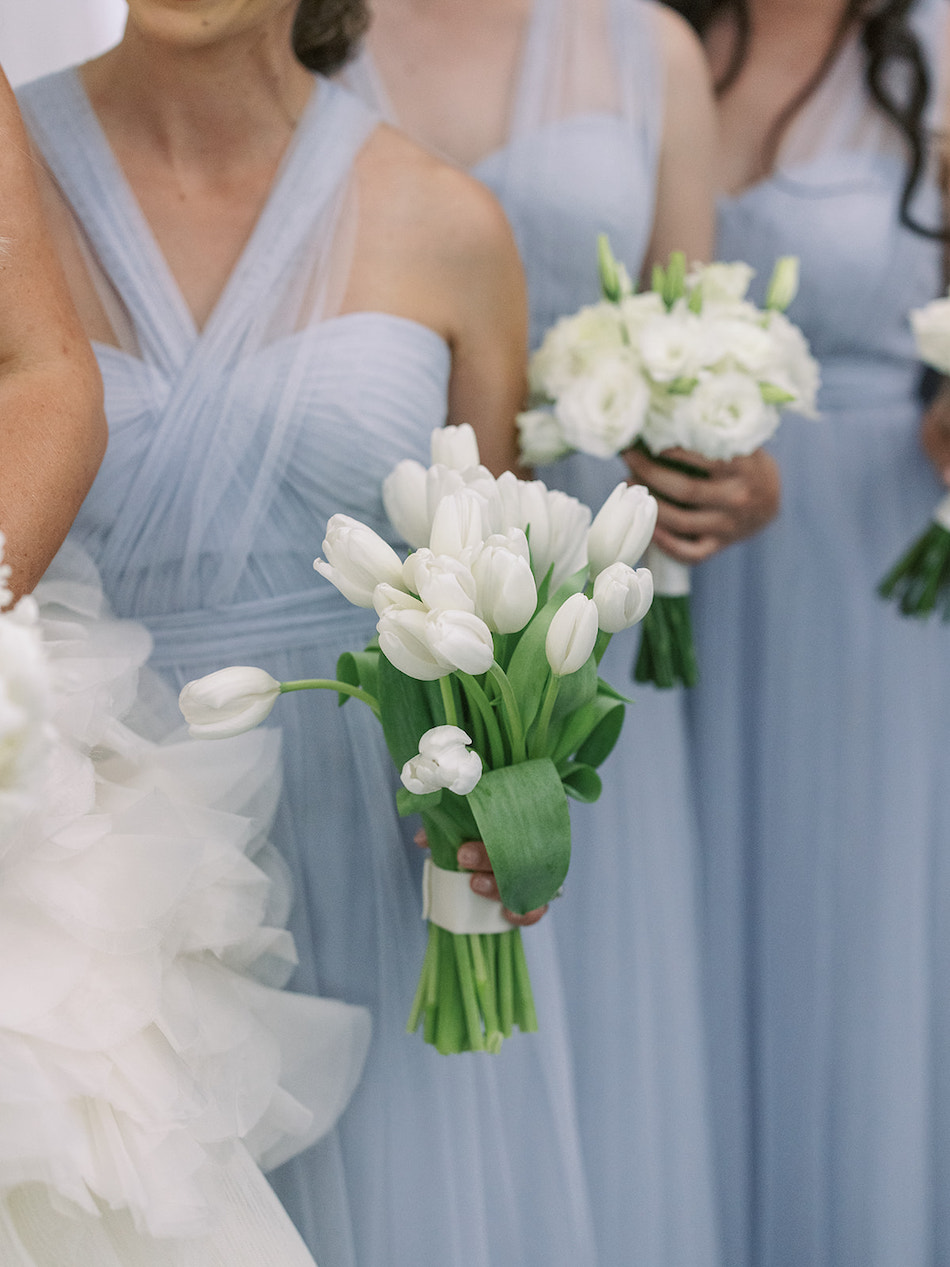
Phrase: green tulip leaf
(528, 669)
(582, 782)
(359, 668)
(413, 803)
(405, 711)
(591, 732)
(522, 816)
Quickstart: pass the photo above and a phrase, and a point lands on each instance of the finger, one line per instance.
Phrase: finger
(524, 921)
(484, 884)
(473, 856)
(421, 839)
(695, 523)
(686, 550)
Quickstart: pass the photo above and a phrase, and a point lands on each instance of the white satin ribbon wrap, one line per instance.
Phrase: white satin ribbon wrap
(670, 577)
(942, 513)
(448, 900)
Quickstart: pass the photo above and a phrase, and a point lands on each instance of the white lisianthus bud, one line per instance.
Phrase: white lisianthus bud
(442, 582)
(623, 596)
(461, 640)
(783, 285)
(443, 761)
(602, 412)
(540, 439)
(404, 641)
(505, 591)
(571, 635)
(228, 702)
(358, 560)
(622, 528)
(455, 447)
(404, 497)
(458, 524)
(931, 326)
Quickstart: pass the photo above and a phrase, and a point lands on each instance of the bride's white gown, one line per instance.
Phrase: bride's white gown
(148, 1057)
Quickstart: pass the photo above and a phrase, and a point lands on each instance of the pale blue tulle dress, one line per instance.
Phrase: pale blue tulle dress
(581, 159)
(228, 452)
(822, 738)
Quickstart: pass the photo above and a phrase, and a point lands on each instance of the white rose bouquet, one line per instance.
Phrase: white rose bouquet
(484, 677)
(920, 581)
(691, 363)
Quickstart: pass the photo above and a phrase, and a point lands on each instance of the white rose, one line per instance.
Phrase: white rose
(602, 412)
(572, 345)
(724, 416)
(793, 368)
(443, 761)
(931, 326)
(540, 438)
(673, 345)
(721, 283)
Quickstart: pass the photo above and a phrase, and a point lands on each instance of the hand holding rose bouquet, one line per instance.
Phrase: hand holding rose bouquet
(484, 677)
(920, 580)
(691, 363)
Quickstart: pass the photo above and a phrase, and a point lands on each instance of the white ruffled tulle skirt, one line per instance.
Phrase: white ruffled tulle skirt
(149, 1061)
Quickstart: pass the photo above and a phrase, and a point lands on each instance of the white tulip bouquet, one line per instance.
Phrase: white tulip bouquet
(920, 581)
(691, 363)
(484, 677)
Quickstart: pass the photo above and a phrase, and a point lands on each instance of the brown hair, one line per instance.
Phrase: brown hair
(327, 32)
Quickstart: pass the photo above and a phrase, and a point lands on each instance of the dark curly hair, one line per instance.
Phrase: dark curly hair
(327, 32)
(889, 44)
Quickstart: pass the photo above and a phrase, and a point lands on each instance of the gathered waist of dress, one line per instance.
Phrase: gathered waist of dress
(244, 632)
(880, 389)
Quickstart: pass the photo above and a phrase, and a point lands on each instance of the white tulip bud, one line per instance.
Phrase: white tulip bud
(457, 524)
(228, 702)
(505, 591)
(403, 640)
(461, 640)
(443, 761)
(571, 635)
(622, 528)
(623, 596)
(455, 447)
(358, 560)
(404, 497)
(441, 581)
(387, 598)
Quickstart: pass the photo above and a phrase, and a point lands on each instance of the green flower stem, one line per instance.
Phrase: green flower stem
(506, 997)
(485, 985)
(448, 701)
(481, 706)
(539, 740)
(329, 684)
(425, 988)
(515, 725)
(525, 1015)
(470, 1008)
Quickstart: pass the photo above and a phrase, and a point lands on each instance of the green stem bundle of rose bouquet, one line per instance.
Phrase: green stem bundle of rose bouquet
(484, 677)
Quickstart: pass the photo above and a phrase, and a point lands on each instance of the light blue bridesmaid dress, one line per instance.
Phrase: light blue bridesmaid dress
(229, 450)
(822, 742)
(627, 928)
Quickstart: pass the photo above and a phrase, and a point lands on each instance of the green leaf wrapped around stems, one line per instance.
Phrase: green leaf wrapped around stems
(581, 782)
(667, 656)
(406, 711)
(920, 581)
(522, 817)
(591, 732)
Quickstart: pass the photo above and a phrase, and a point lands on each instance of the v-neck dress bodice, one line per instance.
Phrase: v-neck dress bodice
(821, 732)
(581, 158)
(229, 450)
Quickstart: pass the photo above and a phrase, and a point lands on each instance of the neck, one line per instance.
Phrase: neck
(818, 16)
(201, 102)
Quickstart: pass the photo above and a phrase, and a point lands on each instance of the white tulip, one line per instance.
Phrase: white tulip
(622, 528)
(557, 530)
(458, 524)
(461, 640)
(571, 635)
(228, 702)
(540, 438)
(358, 560)
(505, 591)
(387, 598)
(455, 447)
(443, 761)
(404, 641)
(404, 497)
(442, 583)
(623, 596)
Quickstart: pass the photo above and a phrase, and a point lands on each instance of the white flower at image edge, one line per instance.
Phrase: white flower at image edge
(571, 635)
(931, 326)
(603, 412)
(358, 560)
(228, 702)
(25, 708)
(622, 596)
(443, 761)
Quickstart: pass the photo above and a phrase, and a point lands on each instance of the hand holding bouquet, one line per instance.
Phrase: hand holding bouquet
(920, 581)
(689, 364)
(484, 678)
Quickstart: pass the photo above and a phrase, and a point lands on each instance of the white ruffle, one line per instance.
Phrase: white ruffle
(145, 1045)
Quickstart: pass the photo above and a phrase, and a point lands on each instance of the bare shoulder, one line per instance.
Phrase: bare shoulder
(683, 54)
(429, 205)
